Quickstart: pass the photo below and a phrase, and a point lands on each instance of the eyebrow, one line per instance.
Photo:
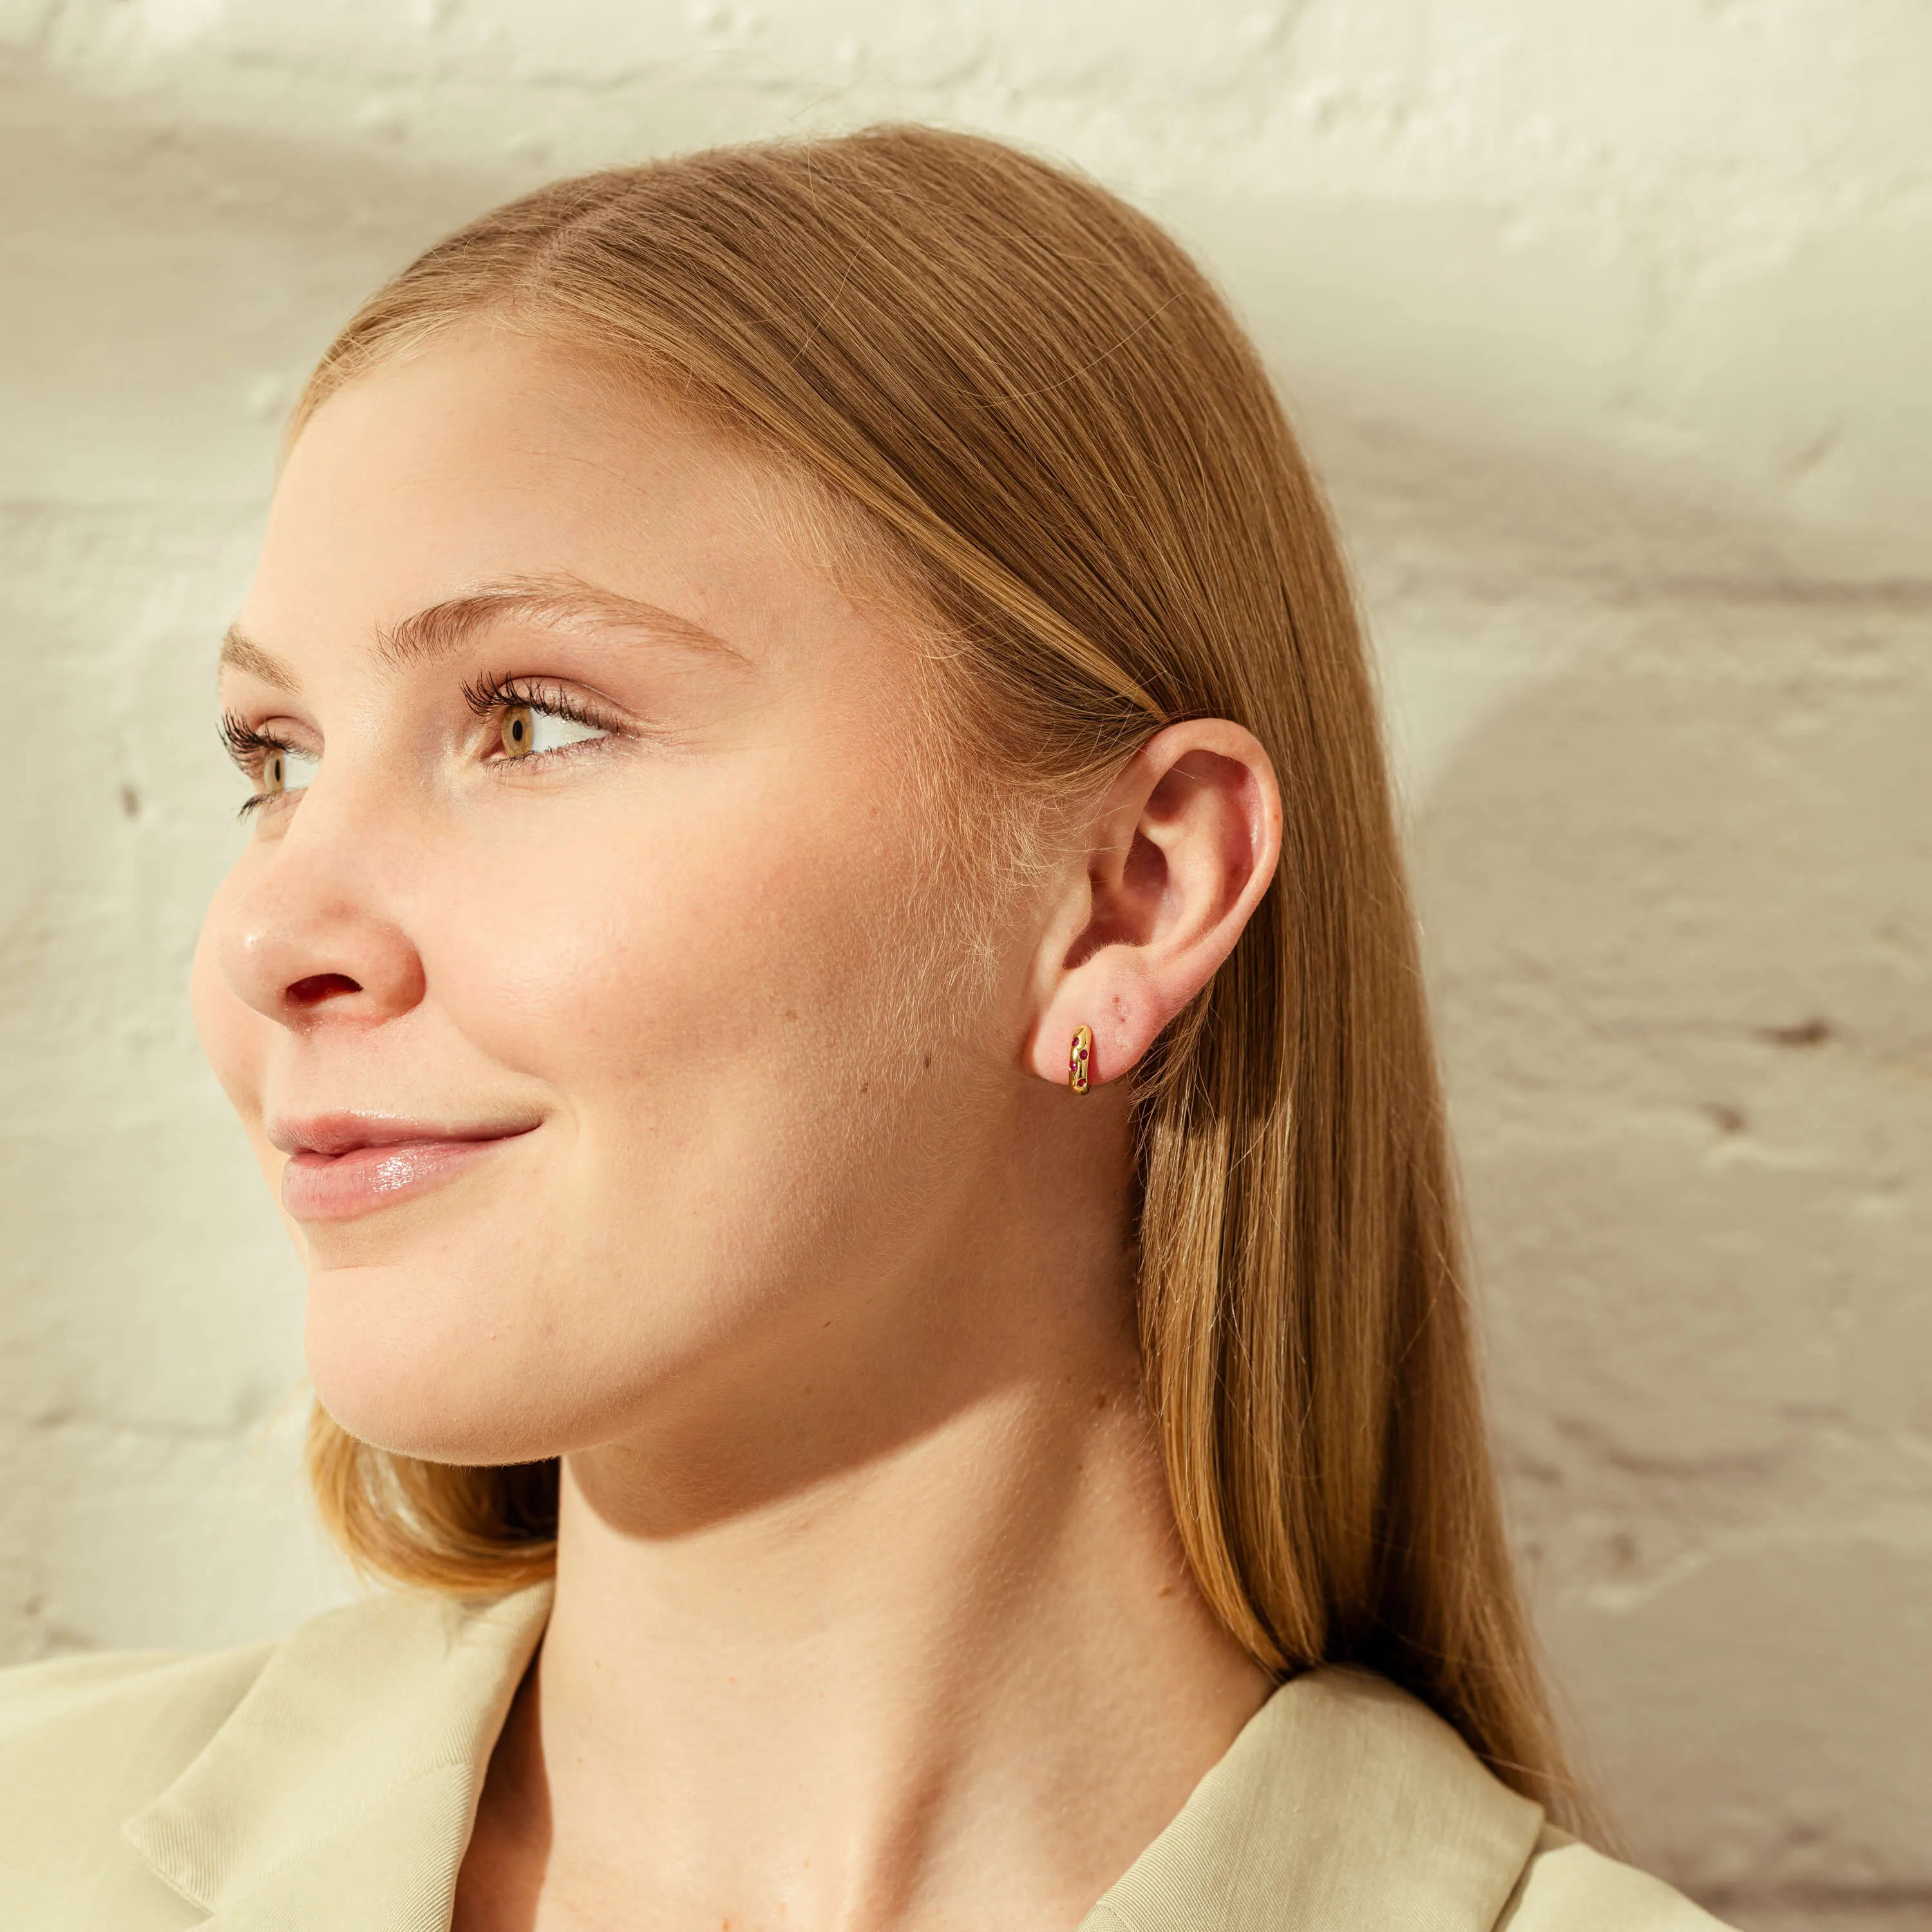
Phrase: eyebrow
(241, 652)
(441, 628)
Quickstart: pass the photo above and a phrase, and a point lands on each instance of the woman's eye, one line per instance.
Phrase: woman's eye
(285, 769)
(525, 730)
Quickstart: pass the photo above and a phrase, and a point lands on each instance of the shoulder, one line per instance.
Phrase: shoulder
(1379, 1806)
(127, 1719)
(140, 1793)
(1567, 1887)
(85, 1742)
(44, 1701)
(1561, 1885)
(1346, 1802)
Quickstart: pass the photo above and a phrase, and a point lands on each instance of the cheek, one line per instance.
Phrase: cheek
(628, 956)
(705, 994)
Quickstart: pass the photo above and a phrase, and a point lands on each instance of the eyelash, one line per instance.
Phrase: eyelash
(248, 746)
(501, 694)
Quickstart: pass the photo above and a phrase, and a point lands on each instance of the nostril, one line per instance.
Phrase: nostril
(319, 986)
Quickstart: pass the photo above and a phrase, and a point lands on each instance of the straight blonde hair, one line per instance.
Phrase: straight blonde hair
(1035, 401)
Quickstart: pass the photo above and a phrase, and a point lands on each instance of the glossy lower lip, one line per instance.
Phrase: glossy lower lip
(339, 1187)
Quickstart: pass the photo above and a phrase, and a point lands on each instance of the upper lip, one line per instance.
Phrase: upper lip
(344, 1133)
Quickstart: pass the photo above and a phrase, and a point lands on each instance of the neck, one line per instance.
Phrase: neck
(915, 1645)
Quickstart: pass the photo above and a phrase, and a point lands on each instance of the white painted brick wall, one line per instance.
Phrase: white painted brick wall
(1610, 326)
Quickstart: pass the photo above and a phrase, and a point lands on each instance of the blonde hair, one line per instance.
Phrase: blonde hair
(1040, 405)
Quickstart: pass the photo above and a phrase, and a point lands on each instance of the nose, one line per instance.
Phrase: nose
(298, 932)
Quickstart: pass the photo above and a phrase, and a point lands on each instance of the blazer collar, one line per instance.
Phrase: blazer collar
(339, 1795)
(1344, 1803)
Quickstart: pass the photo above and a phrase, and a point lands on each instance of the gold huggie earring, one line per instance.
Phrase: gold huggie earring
(1080, 1052)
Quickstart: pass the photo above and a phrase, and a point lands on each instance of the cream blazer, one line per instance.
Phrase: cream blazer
(327, 1783)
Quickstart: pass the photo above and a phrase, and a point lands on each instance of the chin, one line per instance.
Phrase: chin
(401, 1368)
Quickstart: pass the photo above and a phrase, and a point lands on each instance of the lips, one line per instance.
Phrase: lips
(343, 1166)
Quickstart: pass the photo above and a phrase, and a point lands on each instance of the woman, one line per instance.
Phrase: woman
(823, 978)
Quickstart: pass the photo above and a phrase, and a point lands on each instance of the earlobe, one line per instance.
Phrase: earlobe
(1182, 850)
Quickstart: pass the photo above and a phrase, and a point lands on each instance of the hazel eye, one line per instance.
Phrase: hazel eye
(528, 730)
(284, 769)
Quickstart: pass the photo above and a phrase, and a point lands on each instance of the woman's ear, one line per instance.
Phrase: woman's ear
(1179, 853)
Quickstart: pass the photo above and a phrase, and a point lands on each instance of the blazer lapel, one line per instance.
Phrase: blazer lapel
(339, 1795)
(1346, 1805)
